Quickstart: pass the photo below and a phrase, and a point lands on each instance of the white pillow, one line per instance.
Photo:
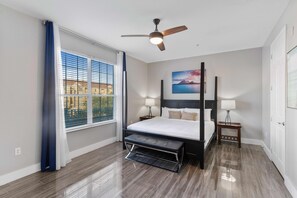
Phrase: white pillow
(207, 113)
(165, 111)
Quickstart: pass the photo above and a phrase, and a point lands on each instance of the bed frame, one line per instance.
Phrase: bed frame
(192, 147)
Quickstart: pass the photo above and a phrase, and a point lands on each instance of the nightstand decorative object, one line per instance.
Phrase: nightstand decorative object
(150, 102)
(233, 125)
(228, 105)
(145, 117)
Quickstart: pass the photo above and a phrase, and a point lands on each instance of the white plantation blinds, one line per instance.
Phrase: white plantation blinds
(88, 86)
(74, 74)
(102, 91)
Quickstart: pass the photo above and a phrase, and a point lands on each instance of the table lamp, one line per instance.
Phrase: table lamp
(228, 105)
(150, 102)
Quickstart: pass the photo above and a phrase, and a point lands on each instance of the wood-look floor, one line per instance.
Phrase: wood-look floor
(229, 172)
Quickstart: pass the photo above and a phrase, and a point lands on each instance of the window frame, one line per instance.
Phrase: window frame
(89, 95)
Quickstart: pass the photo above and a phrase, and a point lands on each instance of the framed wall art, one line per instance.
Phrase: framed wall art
(185, 82)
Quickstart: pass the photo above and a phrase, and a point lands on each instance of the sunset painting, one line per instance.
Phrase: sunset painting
(187, 81)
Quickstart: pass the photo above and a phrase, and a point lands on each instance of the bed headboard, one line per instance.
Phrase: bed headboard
(209, 104)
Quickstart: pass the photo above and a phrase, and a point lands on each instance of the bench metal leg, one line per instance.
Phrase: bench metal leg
(176, 157)
(130, 149)
(179, 159)
(180, 162)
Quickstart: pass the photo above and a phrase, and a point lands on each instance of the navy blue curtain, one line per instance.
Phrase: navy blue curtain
(124, 62)
(48, 152)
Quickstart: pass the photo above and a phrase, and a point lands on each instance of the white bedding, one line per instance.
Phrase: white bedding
(174, 127)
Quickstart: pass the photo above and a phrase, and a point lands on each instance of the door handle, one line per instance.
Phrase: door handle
(282, 123)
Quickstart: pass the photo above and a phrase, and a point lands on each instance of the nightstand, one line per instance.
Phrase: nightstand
(145, 117)
(234, 125)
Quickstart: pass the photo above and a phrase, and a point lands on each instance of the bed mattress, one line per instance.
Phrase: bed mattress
(174, 128)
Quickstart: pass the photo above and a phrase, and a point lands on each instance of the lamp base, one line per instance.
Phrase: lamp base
(150, 112)
(228, 118)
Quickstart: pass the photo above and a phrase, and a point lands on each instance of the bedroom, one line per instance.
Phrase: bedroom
(233, 38)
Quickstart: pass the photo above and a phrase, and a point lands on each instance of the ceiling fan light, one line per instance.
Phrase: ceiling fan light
(156, 40)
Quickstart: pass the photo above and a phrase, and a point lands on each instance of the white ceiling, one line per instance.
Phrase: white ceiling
(216, 25)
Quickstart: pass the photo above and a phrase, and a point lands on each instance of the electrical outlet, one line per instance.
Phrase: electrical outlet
(17, 151)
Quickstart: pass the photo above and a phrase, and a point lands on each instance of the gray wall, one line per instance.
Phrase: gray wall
(21, 71)
(137, 88)
(266, 95)
(239, 75)
(288, 18)
(86, 137)
(85, 47)
(22, 41)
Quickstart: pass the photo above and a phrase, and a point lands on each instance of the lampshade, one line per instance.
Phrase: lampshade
(149, 102)
(228, 104)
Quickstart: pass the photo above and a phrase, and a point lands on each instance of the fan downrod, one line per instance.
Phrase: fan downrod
(156, 22)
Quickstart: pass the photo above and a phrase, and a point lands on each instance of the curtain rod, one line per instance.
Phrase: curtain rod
(77, 35)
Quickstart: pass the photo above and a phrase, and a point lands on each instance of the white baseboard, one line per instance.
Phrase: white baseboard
(92, 147)
(267, 150)
(290, 187)
(12, 176)
(257, 142)
(251, 141)
(18, 174)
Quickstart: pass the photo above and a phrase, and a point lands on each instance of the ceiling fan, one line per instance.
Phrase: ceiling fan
(156, 37)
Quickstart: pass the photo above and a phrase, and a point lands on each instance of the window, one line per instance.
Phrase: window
(102, 91)
(89, 90)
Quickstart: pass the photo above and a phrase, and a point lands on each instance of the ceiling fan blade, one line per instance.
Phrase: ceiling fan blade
(136, 35)
(174, 30)
(161, 46)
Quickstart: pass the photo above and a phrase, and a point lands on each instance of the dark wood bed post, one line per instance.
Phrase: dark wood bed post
(202, 113)
(124, 100)
(161, 97)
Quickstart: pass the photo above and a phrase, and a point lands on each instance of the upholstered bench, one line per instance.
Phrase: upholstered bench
(157, 144)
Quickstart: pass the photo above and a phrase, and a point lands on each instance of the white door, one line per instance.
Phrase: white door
(277, 100)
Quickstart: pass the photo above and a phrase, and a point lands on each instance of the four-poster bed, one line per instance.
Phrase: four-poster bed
(196, 146)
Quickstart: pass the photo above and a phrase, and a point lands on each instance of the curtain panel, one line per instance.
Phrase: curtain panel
(48, 151)
(55, 151)
(120, 93)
